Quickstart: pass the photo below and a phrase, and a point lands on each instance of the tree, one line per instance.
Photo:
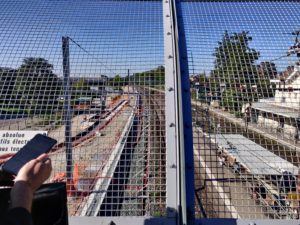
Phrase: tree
(8, 78)
(80, 85)
(117, 81)
(80, 88)
(201, 83)
(235, 68)
(36, 86)
(39, 66)
(154, 77)
(266, 72)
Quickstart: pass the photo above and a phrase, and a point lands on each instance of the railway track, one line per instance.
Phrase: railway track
(259, 196)
(221, 123)
(214, 122)
(141, 168)
(102, 120)
(156, 156)
(92, 154)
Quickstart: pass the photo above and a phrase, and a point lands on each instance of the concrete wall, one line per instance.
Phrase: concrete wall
(296, 83)
(287, 131)
(287, 99)
(267, 123)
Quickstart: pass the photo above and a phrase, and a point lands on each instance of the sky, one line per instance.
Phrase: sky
(121, 35)
(115, 35)
(267, 23)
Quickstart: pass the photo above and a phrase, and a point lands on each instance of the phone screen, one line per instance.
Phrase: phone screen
(38, 145)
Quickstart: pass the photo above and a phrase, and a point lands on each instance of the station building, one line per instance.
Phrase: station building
(281, 114)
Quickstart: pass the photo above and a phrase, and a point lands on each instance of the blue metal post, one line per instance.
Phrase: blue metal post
(187, 155)
(67, 106)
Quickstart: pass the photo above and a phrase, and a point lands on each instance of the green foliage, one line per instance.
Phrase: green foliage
(33, 87)
(199, 83)
(155, 77)
(80, 88)
(266, 72)
(194, 95)
(202, 78)
(38, 66)
(235, 68)
(229, 100)
(7, 80)
(80, 85)
(120, 81)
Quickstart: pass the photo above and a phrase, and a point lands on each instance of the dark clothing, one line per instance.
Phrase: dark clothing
(288, 182)
(17, 216)
(6, 179)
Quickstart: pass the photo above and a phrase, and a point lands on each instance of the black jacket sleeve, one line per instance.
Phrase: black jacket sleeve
(17, 216)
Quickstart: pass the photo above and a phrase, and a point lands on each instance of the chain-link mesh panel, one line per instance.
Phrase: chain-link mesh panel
(244, 71)
(83, 72)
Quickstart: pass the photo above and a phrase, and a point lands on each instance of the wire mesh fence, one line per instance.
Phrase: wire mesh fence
(82, 72)
(91, 74)
(244, 70)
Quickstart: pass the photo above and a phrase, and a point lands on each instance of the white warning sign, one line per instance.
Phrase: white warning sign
(12, 141)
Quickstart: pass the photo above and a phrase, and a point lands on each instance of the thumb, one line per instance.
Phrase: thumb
(42, 157)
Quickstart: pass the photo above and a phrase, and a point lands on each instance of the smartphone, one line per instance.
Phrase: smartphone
(38, 145)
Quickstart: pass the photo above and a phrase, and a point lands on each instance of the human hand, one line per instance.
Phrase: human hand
(28, 180)
(6, 179)
(5, 157)
(35, 172)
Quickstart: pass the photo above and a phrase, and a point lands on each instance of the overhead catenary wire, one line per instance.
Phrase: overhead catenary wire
(281, 57)
(65, 34)
(90, 54)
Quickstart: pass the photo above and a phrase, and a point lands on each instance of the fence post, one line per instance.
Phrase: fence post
(171, 122)
(185, 118)
(67, 106)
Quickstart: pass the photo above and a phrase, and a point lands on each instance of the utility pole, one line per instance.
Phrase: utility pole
(128, 72)
(195, 86)
(67, 107)
(134, 83)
